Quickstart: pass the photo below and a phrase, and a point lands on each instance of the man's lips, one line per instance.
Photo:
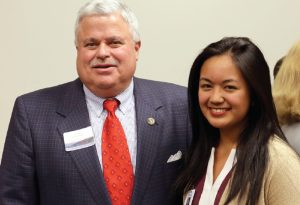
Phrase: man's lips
(103, 66)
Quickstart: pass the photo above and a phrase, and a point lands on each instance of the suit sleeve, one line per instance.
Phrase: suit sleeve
(18, 185)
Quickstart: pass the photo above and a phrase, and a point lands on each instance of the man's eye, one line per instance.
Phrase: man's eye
(90, 45)
(116, 43)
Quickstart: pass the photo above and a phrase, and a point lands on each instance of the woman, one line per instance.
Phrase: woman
(286, 94)
(239, 154)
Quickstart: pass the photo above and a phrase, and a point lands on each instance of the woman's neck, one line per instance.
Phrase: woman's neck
(227, 142)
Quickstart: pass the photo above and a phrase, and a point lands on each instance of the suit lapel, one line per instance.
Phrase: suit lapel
(75, 113)
(148, 139)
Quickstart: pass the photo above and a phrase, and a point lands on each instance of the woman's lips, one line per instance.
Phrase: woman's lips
(218, 111)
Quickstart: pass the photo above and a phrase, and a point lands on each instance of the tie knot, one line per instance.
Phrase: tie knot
(110, 104)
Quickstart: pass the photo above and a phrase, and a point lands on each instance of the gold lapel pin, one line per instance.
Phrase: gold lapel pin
(151, 121)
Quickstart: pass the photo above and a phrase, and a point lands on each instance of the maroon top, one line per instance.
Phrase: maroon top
(200, 185)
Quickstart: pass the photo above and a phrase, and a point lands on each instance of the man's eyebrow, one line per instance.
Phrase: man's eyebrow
(90, 40)
(115, 38)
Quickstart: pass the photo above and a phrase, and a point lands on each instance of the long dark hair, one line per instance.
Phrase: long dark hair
(252, 150)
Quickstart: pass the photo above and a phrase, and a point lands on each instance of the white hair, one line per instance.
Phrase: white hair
(107, 7)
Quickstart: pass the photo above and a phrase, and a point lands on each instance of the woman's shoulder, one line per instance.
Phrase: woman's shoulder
(282, 157)
(282, 180)
(280, 149)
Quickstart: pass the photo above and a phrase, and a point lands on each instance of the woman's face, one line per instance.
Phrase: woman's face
(223, 94)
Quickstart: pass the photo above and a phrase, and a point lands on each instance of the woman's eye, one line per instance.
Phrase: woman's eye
(205, 86)
(230, 87)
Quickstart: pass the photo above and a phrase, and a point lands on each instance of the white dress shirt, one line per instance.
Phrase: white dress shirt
(125, 113)
(211, 188)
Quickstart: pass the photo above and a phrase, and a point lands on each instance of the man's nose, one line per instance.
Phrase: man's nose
(103, 51)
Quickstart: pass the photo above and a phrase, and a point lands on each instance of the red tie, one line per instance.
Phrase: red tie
(117, 167)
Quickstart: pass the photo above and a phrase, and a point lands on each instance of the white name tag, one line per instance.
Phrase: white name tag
(189, 197)
(79, 139)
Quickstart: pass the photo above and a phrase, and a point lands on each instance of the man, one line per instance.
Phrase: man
(58, 148)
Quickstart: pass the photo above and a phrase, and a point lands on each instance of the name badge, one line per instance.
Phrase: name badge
(79, 139)
(189, 197)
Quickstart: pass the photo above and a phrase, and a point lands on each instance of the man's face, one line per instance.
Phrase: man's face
(106, 54)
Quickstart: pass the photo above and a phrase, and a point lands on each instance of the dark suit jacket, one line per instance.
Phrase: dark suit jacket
(36, 169)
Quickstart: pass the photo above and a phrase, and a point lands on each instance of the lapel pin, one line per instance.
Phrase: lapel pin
(151, 121)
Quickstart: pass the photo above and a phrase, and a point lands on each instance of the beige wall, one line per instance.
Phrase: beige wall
(36, 39)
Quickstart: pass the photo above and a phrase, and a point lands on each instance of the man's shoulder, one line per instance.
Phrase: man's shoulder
(156, 83)
(52, 89)
(160, 92)
(51, 93)
(159, 86)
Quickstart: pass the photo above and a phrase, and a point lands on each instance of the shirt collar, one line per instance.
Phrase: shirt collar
(96, 103)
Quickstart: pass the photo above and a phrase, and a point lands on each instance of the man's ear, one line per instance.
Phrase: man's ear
(137, 46)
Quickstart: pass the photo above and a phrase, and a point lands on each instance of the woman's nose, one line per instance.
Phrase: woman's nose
(217, 96)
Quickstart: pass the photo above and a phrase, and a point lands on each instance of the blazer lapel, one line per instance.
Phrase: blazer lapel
(75, 113)
(148, 139)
